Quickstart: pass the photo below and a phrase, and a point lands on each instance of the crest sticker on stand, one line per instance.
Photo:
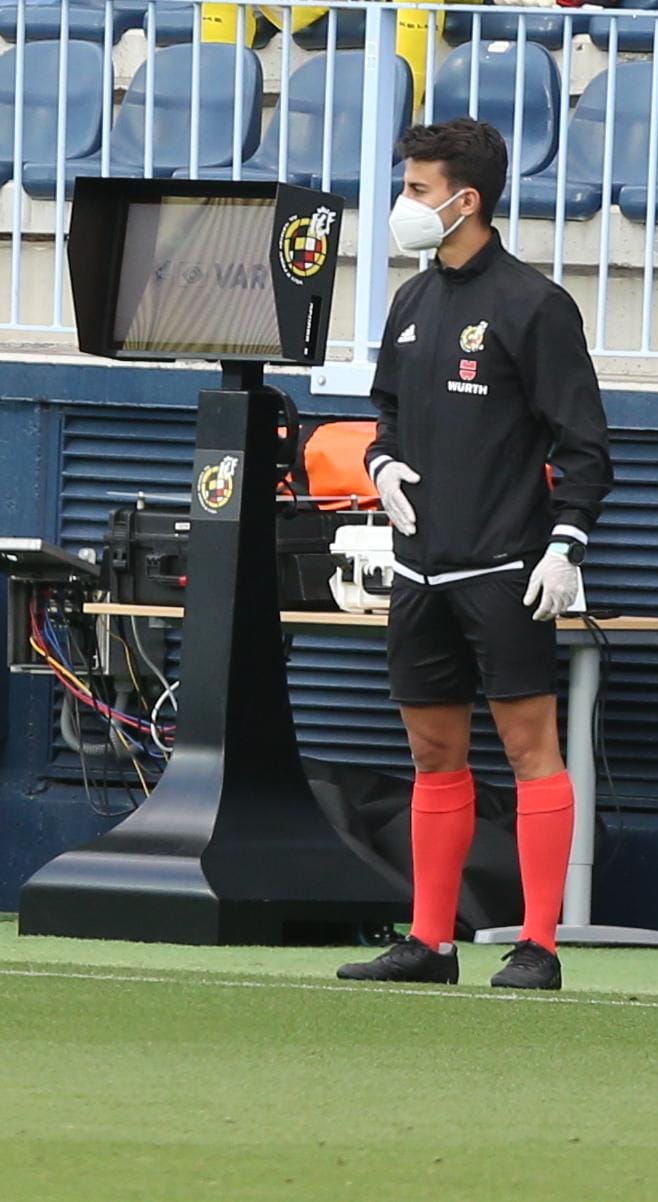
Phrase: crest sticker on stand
(217, 486)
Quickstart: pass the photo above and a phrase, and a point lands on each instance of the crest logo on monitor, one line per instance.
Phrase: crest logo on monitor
(303, 244)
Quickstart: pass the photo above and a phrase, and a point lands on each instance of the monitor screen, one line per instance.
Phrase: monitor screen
(195, 278)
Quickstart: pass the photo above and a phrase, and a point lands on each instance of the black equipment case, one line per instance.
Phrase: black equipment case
(145, 553)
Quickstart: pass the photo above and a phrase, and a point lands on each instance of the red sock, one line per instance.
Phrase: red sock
(544, 831)
(442, 824)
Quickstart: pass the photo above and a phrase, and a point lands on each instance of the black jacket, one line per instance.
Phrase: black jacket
(484, 376)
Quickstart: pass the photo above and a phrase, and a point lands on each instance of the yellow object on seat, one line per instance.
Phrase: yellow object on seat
(300, 17)
(411, 41)
(219, 23)
(411, 44)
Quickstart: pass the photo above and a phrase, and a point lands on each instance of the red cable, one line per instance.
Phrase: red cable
(93, 703)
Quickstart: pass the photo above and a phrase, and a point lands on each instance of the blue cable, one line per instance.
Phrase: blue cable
(52, 637)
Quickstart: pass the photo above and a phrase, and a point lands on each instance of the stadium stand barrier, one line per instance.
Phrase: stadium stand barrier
(171, 134)
(305, 118)
(40, 67)
(304, 101)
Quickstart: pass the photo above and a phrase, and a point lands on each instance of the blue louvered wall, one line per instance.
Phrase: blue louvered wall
(622, 565)
(338, 685)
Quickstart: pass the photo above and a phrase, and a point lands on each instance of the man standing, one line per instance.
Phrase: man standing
(483, 376)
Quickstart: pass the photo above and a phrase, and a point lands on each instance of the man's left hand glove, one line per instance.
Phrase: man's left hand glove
(557, 579)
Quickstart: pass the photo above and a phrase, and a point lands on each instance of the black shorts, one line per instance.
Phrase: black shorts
(444, 642)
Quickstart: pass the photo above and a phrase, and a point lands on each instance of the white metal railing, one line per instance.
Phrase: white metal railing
(353, 351)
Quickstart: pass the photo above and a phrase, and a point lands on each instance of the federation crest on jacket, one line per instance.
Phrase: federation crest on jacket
(472, 337)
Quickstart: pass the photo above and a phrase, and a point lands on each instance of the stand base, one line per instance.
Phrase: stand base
(601, 936)
(201, 922)
(305, 888)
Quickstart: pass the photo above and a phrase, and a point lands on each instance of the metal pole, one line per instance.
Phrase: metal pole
(106, 122)
(17, 207)
(328, 120)
(284, 93)
(371, 297)
(60, 178)
(149, 91)
(650, 226)
(583, 687)
(238, 92)
(517, 137)
(195, 92)
(563, 134)
(474, 80)
(608, 151)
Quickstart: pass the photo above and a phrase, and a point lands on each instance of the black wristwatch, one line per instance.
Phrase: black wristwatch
(572, 548)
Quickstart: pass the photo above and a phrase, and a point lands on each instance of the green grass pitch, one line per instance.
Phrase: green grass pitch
(137, 1073)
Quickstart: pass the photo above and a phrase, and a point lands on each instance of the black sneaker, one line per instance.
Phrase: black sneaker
(530, 966)
(407, 961)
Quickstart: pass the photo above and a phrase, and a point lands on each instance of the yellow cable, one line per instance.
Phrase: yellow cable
(129, 661)
(140, 774)
(54, 663)
(129, 664)
(133, 757)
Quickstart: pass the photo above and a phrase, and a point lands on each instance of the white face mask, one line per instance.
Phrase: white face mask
(416, 226)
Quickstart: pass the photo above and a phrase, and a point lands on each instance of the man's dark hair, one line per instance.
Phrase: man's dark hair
(472, 154)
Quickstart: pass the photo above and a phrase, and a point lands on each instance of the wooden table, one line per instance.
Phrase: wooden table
(584, 671)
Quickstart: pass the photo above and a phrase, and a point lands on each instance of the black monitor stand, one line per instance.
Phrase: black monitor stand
(231, 846)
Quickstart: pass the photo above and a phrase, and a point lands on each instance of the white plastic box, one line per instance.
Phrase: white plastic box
(363, 577)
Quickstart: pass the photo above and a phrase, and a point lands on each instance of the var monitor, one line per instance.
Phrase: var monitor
(198, 269)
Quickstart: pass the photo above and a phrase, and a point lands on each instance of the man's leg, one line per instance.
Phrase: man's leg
(517, 661)
(433, 678)
(442, 822)
(442, 816)
(528, 729)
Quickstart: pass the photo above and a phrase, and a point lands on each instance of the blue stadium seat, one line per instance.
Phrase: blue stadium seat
(128, 14)
(634, 34)
(497, 81)
(173, 24)
(498, 24)
(41, 75)
(306, 125)
(397, 181)
(585, 148)
(86, 19)
(171, 119)
(538, 198)
(633, 202)
(350, 32)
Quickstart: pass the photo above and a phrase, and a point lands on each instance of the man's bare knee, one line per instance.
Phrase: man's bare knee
(438, 737)
(434, 756)
(528, 731)
(524, 761)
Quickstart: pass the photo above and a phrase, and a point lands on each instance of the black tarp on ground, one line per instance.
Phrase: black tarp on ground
(372, 808)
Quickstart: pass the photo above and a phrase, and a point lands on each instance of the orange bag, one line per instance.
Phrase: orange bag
(333, 462)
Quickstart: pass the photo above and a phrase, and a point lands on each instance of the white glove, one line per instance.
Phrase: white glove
(558, 581)
(398, 508)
